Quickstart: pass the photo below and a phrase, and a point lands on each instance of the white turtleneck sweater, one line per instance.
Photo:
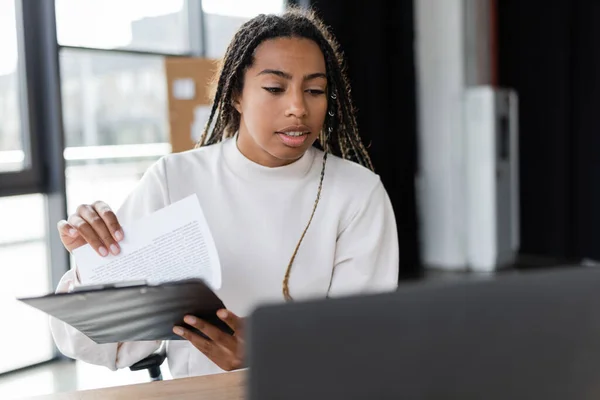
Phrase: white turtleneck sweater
(256, 215)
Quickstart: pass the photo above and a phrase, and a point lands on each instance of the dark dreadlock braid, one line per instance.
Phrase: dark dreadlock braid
(339, 135)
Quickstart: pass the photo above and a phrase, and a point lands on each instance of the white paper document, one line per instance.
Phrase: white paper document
(171, 244)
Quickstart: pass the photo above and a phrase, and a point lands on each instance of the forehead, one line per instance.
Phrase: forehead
(290, 55)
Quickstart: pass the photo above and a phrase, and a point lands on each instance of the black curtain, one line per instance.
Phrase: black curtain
(549, 53)
(377, 40)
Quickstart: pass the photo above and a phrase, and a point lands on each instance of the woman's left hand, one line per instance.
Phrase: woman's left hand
(223, 349)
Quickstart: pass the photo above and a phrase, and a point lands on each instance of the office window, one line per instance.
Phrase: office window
(25, 169)
(26, 338)
(115, 122)
(146, 25)
(222, 18)
(12, 156)
(113, 99)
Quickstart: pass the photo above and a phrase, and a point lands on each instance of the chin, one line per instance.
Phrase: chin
(288, 154)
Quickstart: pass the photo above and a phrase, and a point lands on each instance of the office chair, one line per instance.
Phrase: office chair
(152, 363)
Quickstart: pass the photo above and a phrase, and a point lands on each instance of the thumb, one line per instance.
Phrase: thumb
(69, 236)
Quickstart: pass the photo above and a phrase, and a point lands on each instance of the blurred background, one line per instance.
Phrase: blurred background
(84, 110)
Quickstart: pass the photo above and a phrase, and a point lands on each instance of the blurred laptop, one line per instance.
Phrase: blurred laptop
(533, 335)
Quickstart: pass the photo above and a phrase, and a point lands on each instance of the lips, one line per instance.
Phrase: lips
(292, 141)
(294, 135)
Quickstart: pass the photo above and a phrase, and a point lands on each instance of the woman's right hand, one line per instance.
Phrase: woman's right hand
(95, 224)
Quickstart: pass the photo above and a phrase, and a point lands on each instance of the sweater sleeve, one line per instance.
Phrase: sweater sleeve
(367, 253)
(149, 195)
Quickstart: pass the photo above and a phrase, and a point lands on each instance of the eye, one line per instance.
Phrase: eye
(316, 92)
(274, 90)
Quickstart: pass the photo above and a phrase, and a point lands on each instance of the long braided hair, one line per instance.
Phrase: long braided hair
(339, 135)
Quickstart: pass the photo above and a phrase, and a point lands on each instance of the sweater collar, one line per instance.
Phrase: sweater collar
(243, 166)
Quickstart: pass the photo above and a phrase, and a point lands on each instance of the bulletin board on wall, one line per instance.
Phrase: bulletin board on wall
(189, 81)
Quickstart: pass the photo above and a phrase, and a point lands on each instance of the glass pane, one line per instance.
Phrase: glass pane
(12, 157)
(112, 99)
(222, 18)
(147, 25)
(116, 122)
(24, 261)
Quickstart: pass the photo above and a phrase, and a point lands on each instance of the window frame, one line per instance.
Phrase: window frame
(29, 179)
(41, 122)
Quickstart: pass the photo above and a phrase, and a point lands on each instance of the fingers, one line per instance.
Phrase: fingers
(235, 323)
(66, 229)
(205, 346)
(69, 236)
(110, 219)
(214, 333)
(89, 234)
(221, 356)
(98, 225)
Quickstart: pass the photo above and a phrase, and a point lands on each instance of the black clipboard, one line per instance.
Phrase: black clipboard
(126, 312)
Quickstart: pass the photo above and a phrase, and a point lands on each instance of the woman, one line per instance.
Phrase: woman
(290, 220)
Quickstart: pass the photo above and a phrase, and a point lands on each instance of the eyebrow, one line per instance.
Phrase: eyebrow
(287, 76)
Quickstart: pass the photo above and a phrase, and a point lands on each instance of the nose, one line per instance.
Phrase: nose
(296, 104)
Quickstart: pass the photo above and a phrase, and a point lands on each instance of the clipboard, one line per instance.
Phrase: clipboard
(134, 311)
